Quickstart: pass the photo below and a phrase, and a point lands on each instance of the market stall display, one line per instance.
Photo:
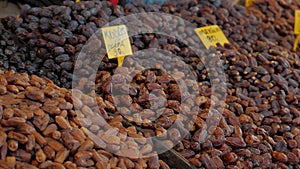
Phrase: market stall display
(260, 116)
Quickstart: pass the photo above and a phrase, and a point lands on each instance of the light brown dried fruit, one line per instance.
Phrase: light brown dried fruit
(12, 145)
(97, 141)
(146, 149)
(23, 156)
(235, 141)
(14, 121)
(3, 137)
(39, 138)
(130, 153)
(70, 165)
(83, 159)
(61, 156)
(49, 152)
(62, 122)
(57, 166)
(40, 156)
(78, 135)
(279, 156)
(111, 139)
(56, 135)
(50, 129)
(22, 165)
(86, 146)
(3, 89)
(17, 136)
(36, 95)
(12, 88)
(55, 145)
(11, 161)
(31, 142)
(154, 161)
(52, 110)
(230, 158)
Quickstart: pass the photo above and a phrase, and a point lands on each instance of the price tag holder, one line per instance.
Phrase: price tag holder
(211, 36)
(248, 3)
(297, 28)
(117, 42)
(296, 42)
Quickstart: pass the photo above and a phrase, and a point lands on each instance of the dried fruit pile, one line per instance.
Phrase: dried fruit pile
(53, 37)
(259, 126)
(39, 129)
(278, 20)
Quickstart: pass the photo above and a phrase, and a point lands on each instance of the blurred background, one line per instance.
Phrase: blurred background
(12, 7)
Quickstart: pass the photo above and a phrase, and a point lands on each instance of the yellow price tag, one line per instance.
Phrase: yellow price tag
(248, 3)
(117, 42)
(297, 29)
(77, 1)
(297, 22)
(211, 35)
